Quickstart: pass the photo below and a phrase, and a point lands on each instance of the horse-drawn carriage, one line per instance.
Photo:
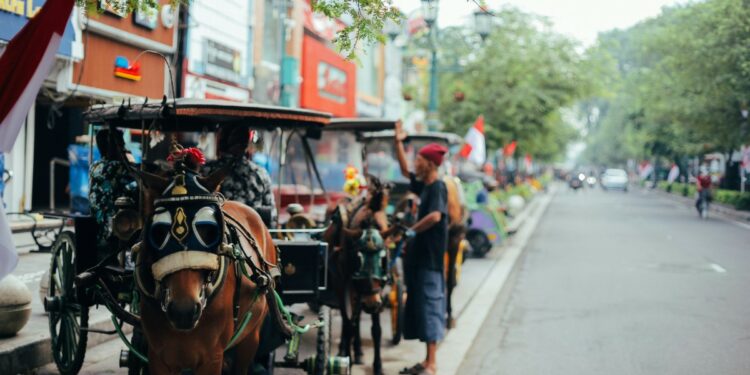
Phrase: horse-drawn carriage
(195, 275)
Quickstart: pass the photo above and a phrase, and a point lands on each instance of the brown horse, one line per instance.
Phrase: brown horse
(190, 272)
(360, 268)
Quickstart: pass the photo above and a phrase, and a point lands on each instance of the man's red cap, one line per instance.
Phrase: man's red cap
(434, 153)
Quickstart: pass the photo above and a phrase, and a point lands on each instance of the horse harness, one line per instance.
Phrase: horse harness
(369, 247)
(209, 243)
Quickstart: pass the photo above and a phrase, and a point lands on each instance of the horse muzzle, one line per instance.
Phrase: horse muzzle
(183, 314)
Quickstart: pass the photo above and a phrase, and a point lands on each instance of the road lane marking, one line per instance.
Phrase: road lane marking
(457, 342)
(718, 268)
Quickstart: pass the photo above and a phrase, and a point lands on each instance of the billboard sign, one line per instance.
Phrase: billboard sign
(15, 13)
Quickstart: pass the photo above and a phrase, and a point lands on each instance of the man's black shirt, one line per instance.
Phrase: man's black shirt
(427, 249)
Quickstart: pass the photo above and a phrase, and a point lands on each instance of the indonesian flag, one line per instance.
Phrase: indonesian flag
(528, 162)
(25, 63)
(474, 149)
(510, 149)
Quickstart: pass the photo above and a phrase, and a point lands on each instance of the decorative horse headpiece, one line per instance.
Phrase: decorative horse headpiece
(187, 226)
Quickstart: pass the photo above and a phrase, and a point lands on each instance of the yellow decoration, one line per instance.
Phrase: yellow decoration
(179, 228)
(179, 185)
(351, 186)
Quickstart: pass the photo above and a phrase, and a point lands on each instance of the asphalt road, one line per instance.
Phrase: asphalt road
(622, 283)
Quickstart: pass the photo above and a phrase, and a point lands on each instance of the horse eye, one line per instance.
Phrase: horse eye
(206, 227)
(208, 233)
(159, 235)
(159, 231)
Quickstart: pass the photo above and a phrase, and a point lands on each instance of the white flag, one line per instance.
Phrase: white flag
(474, 149)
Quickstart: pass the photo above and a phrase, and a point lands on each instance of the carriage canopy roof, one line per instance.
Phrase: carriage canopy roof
(360, 125)
(448, 139)
(196, 115)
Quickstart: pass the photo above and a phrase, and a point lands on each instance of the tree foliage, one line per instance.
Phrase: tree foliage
(678, 83)
(519, 78)
(367, 17)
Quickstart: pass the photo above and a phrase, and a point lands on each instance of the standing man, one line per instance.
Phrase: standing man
(248, 183)
(424, 315)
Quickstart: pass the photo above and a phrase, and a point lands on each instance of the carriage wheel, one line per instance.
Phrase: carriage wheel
(480, 243)
(68, 318)
(135, 365)
(397, 299)
(323, 347)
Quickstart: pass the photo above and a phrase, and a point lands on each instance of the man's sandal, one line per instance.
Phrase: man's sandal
(414, 370)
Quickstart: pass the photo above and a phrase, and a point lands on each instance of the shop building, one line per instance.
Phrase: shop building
(218, 51)
(19, 162)
(100, 61)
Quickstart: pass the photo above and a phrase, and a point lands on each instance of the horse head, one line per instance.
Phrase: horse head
(183, 239)
(371, 269)
(372, 261)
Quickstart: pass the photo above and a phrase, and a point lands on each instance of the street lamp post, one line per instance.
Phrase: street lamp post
(285, 97)
(483, 25)
(430, 12)
(392, 86)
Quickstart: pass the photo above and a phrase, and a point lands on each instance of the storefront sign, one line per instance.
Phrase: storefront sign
(222, 62)
(168, 16)
(114, 7)
(331, 82)
(322, 25)
(147, 18)
(124, 70)
(328, 80)
(15, 13)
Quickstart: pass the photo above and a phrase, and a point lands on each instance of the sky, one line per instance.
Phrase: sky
(580, 19)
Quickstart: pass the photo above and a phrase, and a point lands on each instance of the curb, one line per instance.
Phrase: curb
(453, 349)
(36, 352)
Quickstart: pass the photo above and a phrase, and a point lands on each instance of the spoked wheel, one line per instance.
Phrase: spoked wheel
(323, 348)
(397, 300)
(68, 318)
(480, 243)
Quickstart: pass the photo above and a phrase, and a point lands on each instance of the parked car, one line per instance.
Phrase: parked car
(614, 179)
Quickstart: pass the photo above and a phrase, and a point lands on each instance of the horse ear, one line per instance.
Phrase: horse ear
(151, 181)
(212, 181)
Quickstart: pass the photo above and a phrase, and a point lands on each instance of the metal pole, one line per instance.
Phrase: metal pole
(432, 109)
(283, 95)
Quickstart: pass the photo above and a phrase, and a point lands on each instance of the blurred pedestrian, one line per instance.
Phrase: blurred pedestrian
(248, 182)
(109, 179)
(425, 311)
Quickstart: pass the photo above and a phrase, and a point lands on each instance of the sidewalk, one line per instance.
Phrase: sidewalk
(716, 208)
(481, 280)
